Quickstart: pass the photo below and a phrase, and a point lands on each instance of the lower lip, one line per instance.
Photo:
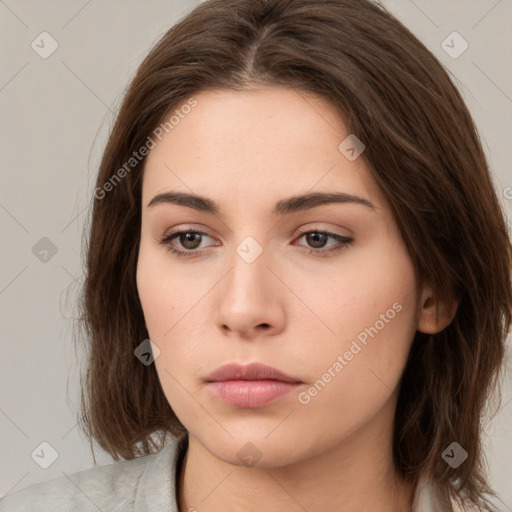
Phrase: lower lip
(251, 393)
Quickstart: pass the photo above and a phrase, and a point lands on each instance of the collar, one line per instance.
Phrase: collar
(156, 490)
(427, 497)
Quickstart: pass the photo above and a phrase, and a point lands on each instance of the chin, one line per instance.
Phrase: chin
(257, 449)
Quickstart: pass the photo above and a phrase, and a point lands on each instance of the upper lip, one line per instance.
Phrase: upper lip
(252, 371)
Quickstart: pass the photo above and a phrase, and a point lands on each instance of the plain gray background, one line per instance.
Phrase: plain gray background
(56, 113)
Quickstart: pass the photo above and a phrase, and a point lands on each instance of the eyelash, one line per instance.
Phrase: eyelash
(344, 241)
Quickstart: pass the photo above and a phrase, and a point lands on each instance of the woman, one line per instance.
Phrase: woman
(298, 271)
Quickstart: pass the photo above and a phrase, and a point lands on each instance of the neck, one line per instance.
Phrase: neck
(355, 474)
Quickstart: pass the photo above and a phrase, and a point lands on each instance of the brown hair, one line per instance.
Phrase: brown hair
(424, 152)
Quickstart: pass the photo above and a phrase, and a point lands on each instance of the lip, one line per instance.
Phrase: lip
(252, 371)
(250, 386)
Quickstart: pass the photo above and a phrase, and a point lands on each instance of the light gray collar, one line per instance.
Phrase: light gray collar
(156, 489)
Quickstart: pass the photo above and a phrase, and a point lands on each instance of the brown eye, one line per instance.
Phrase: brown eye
(190, 240)
(316, 240)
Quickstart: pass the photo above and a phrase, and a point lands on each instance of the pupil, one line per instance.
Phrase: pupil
(313, 237)
(189, 237)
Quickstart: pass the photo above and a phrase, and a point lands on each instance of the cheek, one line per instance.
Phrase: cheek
(372, 311)
(351, 382)
(372, 301)
(158, 310)
(158, 289)
(172, 310)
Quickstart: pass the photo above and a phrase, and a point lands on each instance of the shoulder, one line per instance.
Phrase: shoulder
(86, 490)
(429, 498)
(109, 487)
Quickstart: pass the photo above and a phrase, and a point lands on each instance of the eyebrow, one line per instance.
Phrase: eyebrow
(283, 207)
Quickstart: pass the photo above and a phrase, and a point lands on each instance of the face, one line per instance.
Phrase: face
(323, 291)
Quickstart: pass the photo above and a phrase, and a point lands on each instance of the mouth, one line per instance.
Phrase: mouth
(250, 386)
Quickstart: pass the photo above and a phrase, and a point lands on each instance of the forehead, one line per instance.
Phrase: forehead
(258, 144)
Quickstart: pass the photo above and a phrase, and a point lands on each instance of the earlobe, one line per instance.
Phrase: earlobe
(434, 317)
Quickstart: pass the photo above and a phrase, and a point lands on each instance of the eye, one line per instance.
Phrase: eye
(188, 239)
(317, 239)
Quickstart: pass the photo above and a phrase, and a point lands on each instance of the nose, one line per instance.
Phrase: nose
(250, 299)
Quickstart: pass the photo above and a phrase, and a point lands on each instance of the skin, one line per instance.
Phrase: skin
(246, 151)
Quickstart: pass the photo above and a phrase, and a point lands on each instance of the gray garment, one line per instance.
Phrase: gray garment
(143, 484)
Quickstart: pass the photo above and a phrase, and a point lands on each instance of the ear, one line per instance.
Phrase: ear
(434, 317)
